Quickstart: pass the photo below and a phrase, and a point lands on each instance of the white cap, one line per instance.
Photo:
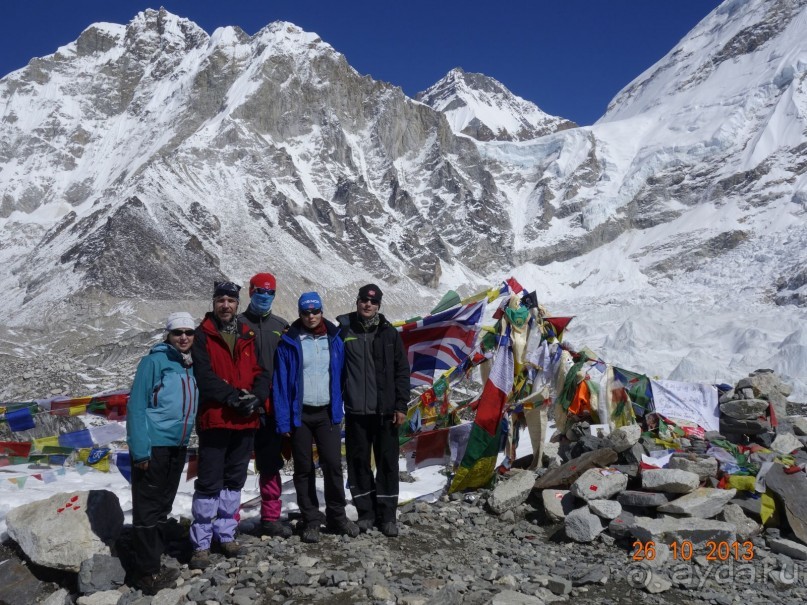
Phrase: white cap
(179, 320)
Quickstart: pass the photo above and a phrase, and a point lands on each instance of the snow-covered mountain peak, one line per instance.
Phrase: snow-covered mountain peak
(164, 31)
(742, 51)
(482, 107)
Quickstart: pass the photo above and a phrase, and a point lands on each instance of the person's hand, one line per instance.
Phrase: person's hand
(248, 404)
(143, 466)
(398, 419)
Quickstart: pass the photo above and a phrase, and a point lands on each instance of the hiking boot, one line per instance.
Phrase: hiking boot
(345, 528)
(200, 559)
(311, 535)
(366, 525)
(275, 528)
(230, 549)
(390, 529)
(152, 583)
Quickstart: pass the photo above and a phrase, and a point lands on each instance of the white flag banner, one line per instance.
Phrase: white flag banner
(107, 433)
(696, 402)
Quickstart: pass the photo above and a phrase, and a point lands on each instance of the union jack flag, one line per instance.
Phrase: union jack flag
(441, 341)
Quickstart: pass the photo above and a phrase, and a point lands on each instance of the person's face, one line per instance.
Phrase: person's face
(311, 318)
(181, 339)
(224, 308)
(367, 307)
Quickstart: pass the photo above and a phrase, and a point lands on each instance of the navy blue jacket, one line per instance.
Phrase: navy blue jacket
(288, 377)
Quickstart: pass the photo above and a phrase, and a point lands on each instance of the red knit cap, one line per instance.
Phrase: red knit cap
(262, 280)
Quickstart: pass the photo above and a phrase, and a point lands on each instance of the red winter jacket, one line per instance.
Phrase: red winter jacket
(220, 376)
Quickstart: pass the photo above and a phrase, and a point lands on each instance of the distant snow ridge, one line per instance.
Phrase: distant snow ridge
(481, 107)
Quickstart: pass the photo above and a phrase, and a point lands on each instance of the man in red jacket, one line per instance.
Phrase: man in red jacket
(232, 387)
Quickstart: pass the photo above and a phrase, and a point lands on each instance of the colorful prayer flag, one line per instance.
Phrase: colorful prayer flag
(440, 342)
(20, 420)
(477, 466)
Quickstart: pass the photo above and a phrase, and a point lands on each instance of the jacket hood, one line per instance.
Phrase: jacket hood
(169, 350)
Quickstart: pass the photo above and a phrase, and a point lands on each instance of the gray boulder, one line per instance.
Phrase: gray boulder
(511, 493)
(625, 437)
(744, 409)
(670, 481)
(792, 549)
(695, 530)
(704, 502)
(746, 528)
(583, 526)
(18, 586)
(67, 528)
(639, 499)
(599, 484)
(703, 466)
(100, 572)
(557, 503)
(605, 509)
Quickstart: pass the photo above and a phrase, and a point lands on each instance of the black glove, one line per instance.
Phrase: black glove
(248, 404)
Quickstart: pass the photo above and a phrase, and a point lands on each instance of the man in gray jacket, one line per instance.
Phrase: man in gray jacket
(268, 329)
(376, 394)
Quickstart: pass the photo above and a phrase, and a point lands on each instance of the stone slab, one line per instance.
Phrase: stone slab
(557, 503)
(567, 473)
(704, 502)
(599, 484)
(669, 530)
(791, 490)
(670, 481)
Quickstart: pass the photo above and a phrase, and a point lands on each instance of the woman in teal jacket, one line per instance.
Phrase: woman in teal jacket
(159, 420)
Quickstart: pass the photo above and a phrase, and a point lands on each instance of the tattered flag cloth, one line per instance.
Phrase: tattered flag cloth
(476, 468)
(76, 439)
(20, 420)
(431, 448)
(440, 342)
(15, 448)
(554, 327)
(123, 461)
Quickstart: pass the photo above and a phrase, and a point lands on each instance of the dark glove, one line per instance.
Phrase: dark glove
(245, 405)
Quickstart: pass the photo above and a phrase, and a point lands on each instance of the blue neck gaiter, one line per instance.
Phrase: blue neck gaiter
(261, 303)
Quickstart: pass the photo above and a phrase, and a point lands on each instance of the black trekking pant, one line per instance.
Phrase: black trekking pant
(153, 492)
(316, 427)
(375, 498)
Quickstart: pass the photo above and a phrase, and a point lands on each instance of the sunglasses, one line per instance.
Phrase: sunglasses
(308, 312)
(182, 332)
(263, 291)
(372, 301)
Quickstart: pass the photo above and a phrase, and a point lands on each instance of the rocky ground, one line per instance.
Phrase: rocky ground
(456, 551)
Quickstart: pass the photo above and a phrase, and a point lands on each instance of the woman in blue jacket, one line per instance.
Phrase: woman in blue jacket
(307, 398)
(159, 420)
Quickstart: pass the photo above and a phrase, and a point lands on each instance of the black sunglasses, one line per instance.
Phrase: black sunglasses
(263, 291)
(181, 332)
(370, 300)
(308, 312)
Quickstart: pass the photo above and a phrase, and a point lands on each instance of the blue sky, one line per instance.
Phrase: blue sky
(570, 57)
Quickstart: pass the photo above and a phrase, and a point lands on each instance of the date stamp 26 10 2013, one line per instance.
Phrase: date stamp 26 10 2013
(685, 550)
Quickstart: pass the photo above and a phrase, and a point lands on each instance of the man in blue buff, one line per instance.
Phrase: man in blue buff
(308, 406)
(268, 329)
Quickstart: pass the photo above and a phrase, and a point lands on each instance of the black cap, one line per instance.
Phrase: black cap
(371, 291)
(225, 288)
